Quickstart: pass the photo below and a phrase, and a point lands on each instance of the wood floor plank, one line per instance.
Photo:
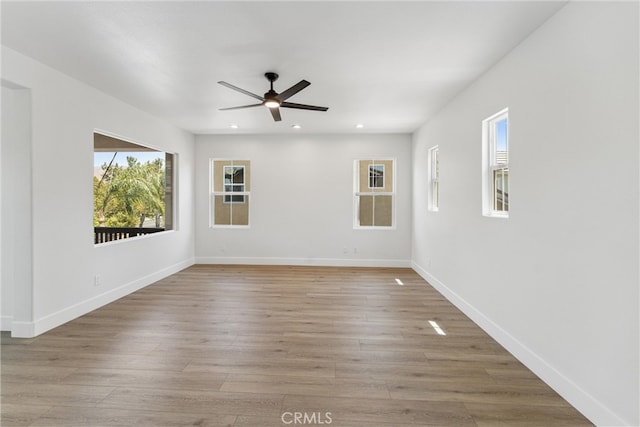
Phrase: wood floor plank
(140, 378)
(35, 374)
(263, 367)
(17, 414)
(525, 415)
(223, 345)
(22, 357)
(248, 421)
(101, 417)
(53, 394)
(92, 345)
(358, 356)
(383, 411)
(390, 372)
(474, 391)
(200, 401)
(305, 386)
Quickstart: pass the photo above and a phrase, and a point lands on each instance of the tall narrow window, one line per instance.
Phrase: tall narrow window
(374, 191)
(496, 165)
(434, 179)
(230, 192)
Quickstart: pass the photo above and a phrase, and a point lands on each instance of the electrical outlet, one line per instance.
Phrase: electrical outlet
(345, 250)
(96, 280)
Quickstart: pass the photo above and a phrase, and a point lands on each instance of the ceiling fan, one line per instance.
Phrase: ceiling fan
(274, 100)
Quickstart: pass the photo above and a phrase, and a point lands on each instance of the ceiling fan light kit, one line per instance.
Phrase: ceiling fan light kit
(271, 103)
(274, 100)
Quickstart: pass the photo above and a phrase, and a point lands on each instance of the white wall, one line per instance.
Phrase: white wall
(557, 282)
(65, 114)
(16, 237)
(302, 201)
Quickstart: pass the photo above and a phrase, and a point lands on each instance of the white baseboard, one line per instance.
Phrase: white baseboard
(65, 315)
(591, 408)
(5, 323)
(322, 262)
(23, 329)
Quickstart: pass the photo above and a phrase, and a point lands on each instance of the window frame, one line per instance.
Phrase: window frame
(433, 189)
(224, 194)
(373, 178)
(171, 213)
(229, 198)
(375, 191)
(491, 165)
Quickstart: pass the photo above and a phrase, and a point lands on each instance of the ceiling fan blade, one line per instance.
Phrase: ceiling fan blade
(246, 92)
(303, 106)
(293, 90)
(275, 112)
(240, 107)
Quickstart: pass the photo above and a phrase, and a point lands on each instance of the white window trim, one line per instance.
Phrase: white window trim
(175, 212)
(213, 193)
(489, 164)
(433, 194)
(230, 194)
(357, 193)
(369, 174)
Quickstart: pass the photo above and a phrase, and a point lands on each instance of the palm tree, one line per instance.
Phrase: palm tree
(125, 196)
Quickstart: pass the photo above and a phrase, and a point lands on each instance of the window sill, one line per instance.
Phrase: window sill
(504, 215)
(379, 227)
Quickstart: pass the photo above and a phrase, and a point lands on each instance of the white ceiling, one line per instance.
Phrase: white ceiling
(386, 64)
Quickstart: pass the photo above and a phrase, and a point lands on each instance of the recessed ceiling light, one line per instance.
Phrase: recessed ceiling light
(234, 126)
(359, 126)
(296, 126)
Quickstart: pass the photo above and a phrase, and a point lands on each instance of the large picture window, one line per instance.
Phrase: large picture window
(496, 165)
(133, 191)
(230, 191)
(374, 193)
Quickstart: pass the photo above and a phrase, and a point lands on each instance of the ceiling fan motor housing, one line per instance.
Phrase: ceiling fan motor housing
(271, 76)
(270, 99)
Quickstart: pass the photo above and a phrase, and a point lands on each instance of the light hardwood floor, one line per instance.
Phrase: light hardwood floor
(253, 346)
